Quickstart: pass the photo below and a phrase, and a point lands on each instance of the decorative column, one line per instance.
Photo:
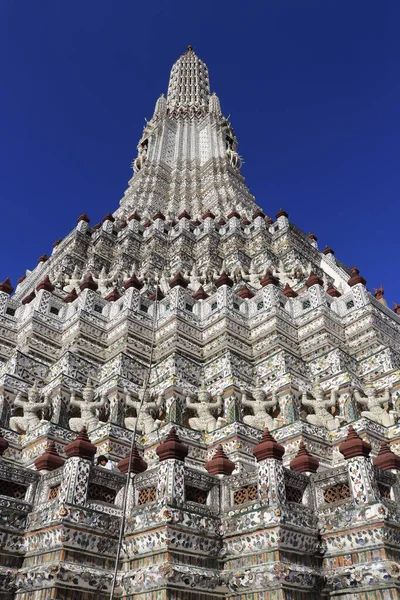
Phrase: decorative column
(138, 465)
(271, 482)
(171, 473)
(361, 475)
(360, 292)
(184, 221)
(271, 291)
(221, 466)
(208, 219)
(178, 284)
(224, 294)
(83, 223)
(75, 481)
(315, 286)
(132, 294)
(259, 219)
(282, 218)
(133, 222)
(108, 223)
(234, 220)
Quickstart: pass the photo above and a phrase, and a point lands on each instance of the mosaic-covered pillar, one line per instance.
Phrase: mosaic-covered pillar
(361, 475)
(224, 293)
(171, 483)
(362, 480)
(271, 486)
(171, 474)
(75, 483)
(271, 483)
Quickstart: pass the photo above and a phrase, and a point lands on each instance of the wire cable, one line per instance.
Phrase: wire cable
(130, 475)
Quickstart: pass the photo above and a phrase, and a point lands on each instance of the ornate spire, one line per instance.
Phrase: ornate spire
(304, 462)
(354, 445)
(268, 447)
(189, 84)
(49, 460)
(172, 447)
(220, 464)
(138, 465)
(387, 460)
(81, 447)
(187, 135)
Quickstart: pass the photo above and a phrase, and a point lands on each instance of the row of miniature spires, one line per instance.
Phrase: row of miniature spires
(179, 280)
(183, 215)
(172, 448)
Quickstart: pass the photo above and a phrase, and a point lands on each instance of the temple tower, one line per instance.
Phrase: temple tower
(187, 155)
(250, 380)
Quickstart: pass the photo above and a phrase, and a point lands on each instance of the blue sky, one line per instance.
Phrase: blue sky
(312, 87)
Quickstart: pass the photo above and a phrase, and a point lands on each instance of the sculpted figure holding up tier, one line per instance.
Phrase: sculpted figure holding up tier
(164, 281)
(104, 281)
(375, 403)
(140, 159)
(205, 407)
(88, 407)
(260, 405)
(73, 281)
(194, 278)
(239, 273)
(254, 275)
(31, 408)
(145, 422)
(321, 416)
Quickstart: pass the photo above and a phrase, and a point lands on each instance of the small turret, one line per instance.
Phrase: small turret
(214, 106)
(161, 106)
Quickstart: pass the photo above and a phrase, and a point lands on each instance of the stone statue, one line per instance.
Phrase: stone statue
(88, 407)
(194, 279)
(144, 421)
(204, 407)
(376, 412)
(58, 280)
(254, 275)
(31, 408)
(207, 275)
(164, 281)
(141, 158)
(239, 274)
(260, 405)
(74, 281)
(234, 158)
(104, 281)
(321, 416)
